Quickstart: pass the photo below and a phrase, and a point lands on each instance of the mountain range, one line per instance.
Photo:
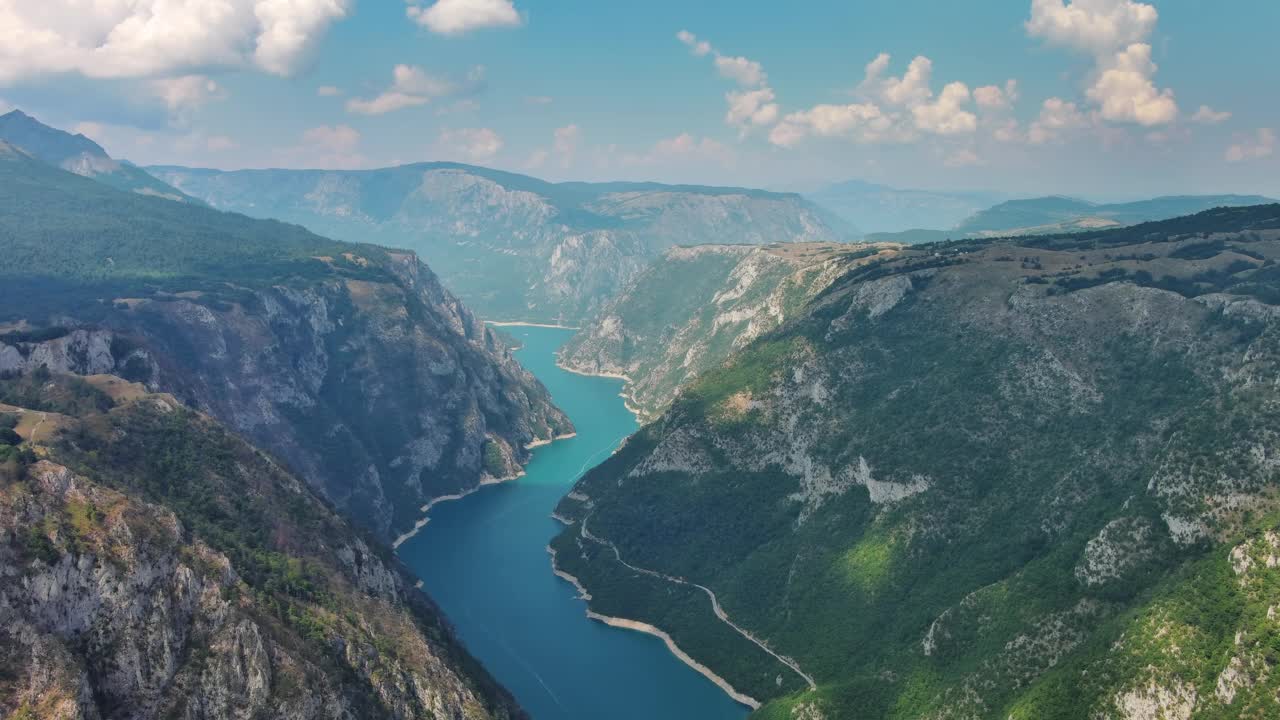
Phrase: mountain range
(1020, 478)
(883, 209)
(514, 247)
(212, 427)
(80, 155)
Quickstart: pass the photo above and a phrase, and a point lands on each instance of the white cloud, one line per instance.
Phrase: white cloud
(1096, 26)
(910, 89)
(1114, 33)
(1056, 116)
(328, 91)
(537, 100)
(747, 73)
(1208, 116)
(864, 122)
(412, 86)
(751, 108)
(182, 95)
(156, 38)
(1255, 147)
(1125, 92)
(993, 97)
(696, 46)
(946, 115)
(457, 17)
(471, 144)
(893, 109)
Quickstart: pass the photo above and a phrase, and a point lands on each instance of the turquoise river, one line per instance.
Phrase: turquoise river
(484, 560)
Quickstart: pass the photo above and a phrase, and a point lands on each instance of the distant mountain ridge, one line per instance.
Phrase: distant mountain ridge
(512, 246)
(80, 155)
(880, 208)
(1053, 214)
(919, 216)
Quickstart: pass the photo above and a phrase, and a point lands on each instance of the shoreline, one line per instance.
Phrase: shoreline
(544, 443)
(484, 482)
(426, 509)
(521, 323)
(646, 628)
(626, 388)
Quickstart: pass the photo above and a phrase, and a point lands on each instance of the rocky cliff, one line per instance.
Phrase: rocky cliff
(155, 565)
(513, 247)
(1014, 479)
(694, 306)
(351, 363)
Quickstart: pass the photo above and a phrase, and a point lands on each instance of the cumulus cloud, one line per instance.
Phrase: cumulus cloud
(1125, 92)
(458, 17)
(993, 97)
(182, 95)
(747, 73)
(1254, 147)
(864, 122)
(156, 38)
(946, 115)
(754, 105)
(909, 90)
(1208, 116)
(750, 108)
(1095, 26)
(1056, 116)
(412, 86)
(696, 46)
(471, 144)
(328, 91)
(1113, 32)
(893, 108)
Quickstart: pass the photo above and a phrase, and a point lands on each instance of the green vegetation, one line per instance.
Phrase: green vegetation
(983, 496)
(74, 244)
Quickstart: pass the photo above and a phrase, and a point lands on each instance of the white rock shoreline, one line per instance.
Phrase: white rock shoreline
(637, 626)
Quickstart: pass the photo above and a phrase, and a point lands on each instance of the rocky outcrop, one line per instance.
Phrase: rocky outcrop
(514, 247)
(111, 607)
(382, 392)
(697, 305)
(974, 479)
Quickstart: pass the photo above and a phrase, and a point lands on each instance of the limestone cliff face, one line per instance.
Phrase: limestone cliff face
(1015, 479)
(514, 247)
(177, 572)
(380, 390)
(695, 306)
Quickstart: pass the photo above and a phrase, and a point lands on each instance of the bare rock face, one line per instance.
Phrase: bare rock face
(697, 305)
(111, 607)
(382, 393)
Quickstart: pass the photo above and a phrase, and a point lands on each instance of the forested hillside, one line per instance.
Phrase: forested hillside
(1028, 478)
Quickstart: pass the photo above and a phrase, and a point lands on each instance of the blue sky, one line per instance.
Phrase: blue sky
(1105, 100)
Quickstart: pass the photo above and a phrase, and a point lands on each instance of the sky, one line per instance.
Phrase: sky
(1105, 99)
